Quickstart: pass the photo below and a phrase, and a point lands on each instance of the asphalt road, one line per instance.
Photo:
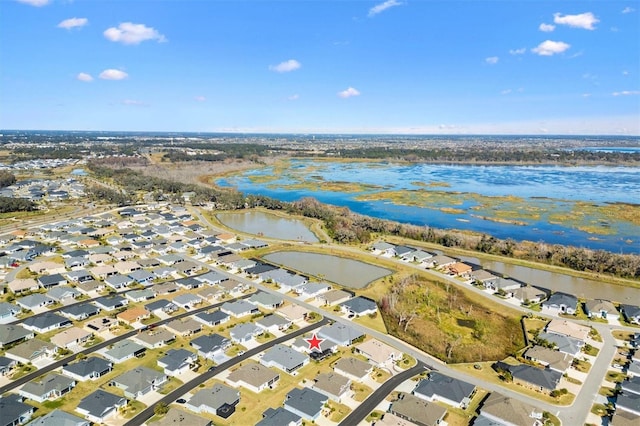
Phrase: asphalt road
(369, 404)
(26, 378)
(148, 412)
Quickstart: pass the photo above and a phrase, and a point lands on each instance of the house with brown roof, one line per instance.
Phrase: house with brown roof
(73, 336)
(333, 385)
(549, 358)
(500, 409)
(378, 353)
(460, 269)
(184, 327)
(133, 315)
(253, 376)
(353, 368)
(600, 308)
(568, 328)
(417, 410)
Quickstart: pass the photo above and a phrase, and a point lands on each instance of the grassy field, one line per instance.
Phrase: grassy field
(453, 324)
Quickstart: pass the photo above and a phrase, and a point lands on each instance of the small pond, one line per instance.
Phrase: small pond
(268, 225)
(345, 272)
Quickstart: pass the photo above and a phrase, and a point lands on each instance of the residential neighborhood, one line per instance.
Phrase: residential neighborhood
(112, 330)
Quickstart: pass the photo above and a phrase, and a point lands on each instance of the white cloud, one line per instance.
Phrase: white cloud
(626, 93)
(133, 102)
(625, 72)
(519, 51)
(113, 74)
(583, 20)
(286, 66)
(492, 60)
(628, 10)
(506, 92)
(547, 28)
(130, 33)
(348, 93)
(36, 3)
(293, 97)
(73, 23)
(549, 48)
(383, 6)
(83, 76)
(200, 98)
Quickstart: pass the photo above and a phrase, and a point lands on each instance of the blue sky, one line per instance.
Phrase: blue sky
(394, 66)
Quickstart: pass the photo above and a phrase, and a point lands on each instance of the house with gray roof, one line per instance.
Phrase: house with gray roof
(631, 385)
(628, 402)
(142, 277)
(48, 281)
(10, 334)
(79, 276)
(273, 323)
(212, 277)
(312, 289)
(100, 405)
(564, 344)
(306, 403)
(245, 332)
(63, 294)
(161, 305)
(502, 410)
(188, 283)
(301, 344)
(239, 308)
(631, 313)
(90, 368)
(255, 377)
(219, 400)
(110, 303)
(451, 391)
(177, 361)
(7, 365)
(382, 248)
(32, 350)
(210, 345)
(560, 303)
(118, 281)
(45, 322)
(359, 306)
(139, 381)
(187, 301)
(141, 295)
(79, 311)
(417, 410)
(339, 333)
(353, 368)
(285, 280)
(266, 300)
(58, 417)
(124, 350)
(279, 417)
(212, 318)
(50, 387)
(333, 385)
(34, 301)
(13, 411)
(284, 358)
(8, 312)
(544, 380)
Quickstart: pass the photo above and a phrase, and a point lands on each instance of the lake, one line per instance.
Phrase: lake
(268, 225)
(577, 206)
(345, 272)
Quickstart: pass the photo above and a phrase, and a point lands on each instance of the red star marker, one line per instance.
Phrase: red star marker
(314, 342)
